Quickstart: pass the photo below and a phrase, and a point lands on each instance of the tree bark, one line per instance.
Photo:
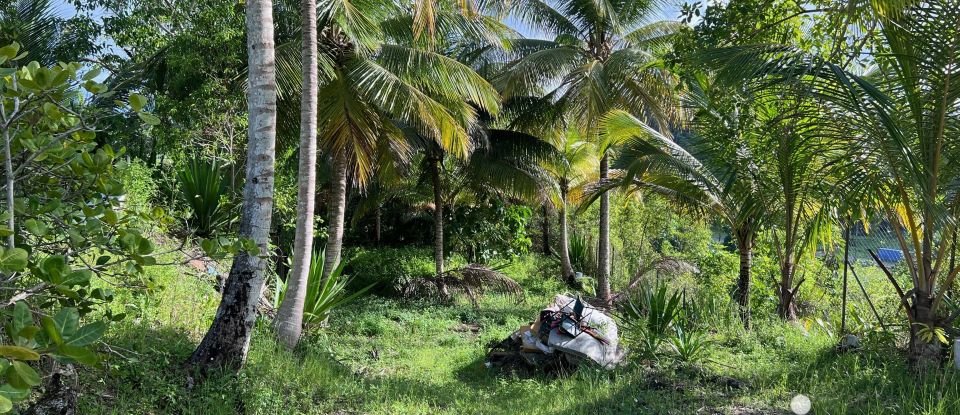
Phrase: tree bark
(745, 248)
(566, 268)
(787, 309)
(437, 165)
(921, 354)
(226, 343)
(8, 170)
(335, 217)
(289, 323)
(603, 247)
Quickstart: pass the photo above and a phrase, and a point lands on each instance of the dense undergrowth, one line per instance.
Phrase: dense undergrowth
(391, 356)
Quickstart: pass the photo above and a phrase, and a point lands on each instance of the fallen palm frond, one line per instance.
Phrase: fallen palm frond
(473, 280)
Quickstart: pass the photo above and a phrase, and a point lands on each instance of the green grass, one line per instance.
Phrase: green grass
(386, 356)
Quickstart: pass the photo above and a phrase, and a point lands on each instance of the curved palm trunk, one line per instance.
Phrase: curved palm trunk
(289, 323)
(603, 247)
(565, 266)
(335, 217)
(436, 165)
(745, 248)
(226, 343)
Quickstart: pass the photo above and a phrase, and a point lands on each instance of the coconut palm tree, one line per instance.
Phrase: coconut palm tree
(226, 343)
(897, 125)
(289, 322)
(576, 165)
(603, 57)
(379, 79)
(711, 171)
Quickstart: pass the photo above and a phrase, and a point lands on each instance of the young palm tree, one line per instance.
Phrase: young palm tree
(226, 342)
(576, 165)
(603, 57)
(289, 322)
(711, 171)
(896, 125)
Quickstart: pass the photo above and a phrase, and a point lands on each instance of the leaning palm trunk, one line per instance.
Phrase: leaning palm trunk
(289, 323)
(603, 247)
(335, 217)
(226, 343)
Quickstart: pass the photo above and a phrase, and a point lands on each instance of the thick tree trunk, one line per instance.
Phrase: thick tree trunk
(603, 247)
(335, 217)
(787, 309)
(566, 268)
(923, 355)
(745, 247)
(289, 323)
(437, 164)
(225, 344)
(545, 229)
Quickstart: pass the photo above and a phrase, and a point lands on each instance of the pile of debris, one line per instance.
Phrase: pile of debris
(567, 333)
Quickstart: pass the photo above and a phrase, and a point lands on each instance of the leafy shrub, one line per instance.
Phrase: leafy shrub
(583, 254)
(67, 224)
(203, 189)
(689, 346)
(322, 296)
(489, 231)
(391, 269)
(138, 183)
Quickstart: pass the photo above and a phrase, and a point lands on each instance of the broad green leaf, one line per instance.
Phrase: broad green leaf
(137, 102)
(148, 118)
(21, 316)
(36, 227)
(13, 260)
(78, 277)
(12, 393)
(50, 328)
(10, 51)
(88, 334)
(5, 404)
(22, 375)
(67, 321)
(78, 354)
(19, 353)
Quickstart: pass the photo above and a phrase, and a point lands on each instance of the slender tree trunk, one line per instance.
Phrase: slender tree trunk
(8, 171)
(846, 266)
(565, 267)
(226, 343)
(745, 247)
(289, 323)
(603, 247)
(335, 217)
(437, 165)
(545, 229)
(378, 217)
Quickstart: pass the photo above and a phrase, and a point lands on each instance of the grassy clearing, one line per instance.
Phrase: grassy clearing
(384, 356)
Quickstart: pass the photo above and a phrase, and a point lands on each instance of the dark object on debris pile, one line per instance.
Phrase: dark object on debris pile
(565, 334)
(472, 280)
